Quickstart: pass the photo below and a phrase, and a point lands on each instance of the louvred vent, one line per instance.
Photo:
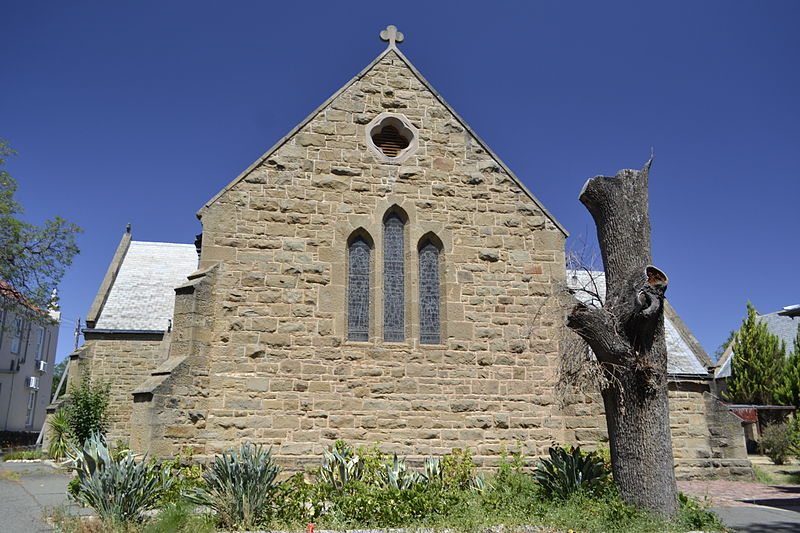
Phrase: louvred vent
(390, 141)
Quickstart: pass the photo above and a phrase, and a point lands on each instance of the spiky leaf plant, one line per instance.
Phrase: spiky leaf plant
(568, 471)
(398, 476)
(340, 466)
(239, 485)
(58, 424)
(119, 489)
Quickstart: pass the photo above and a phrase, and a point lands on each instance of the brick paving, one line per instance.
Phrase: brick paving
(742, 493)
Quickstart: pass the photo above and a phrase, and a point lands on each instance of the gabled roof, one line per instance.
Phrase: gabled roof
(685, 356)
(391, 49)
(138, 292)
(783, 324)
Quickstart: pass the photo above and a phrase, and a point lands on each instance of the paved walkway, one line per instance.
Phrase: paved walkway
(26, 489)
(750, 507)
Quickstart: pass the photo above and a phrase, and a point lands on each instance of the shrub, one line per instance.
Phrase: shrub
(458, 470)
(297, 502)
(696, 516)
(239, 485)
(86, 409)
(120, 490)
(778, 441)
(568, 471)
(372, 506)
(24, 455)
(188, 477)
(59, 434)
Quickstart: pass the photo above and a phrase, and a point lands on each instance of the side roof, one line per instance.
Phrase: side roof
(137, 293)
(685, 356)
(390, 49)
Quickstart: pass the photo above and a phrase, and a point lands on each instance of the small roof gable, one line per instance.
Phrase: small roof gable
(141, 296)
(685, 356)
(391, 49)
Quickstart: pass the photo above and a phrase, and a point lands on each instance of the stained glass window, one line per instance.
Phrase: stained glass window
(358, 291)
(429, 294)
(393, 280)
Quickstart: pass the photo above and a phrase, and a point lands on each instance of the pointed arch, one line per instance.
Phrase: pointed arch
(359, 265)
(429, 251)
(394, 229)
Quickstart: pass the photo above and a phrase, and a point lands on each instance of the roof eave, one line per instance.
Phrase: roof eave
(108, 280)
(294, 131)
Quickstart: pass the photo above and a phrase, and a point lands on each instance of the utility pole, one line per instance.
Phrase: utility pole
(77, 332)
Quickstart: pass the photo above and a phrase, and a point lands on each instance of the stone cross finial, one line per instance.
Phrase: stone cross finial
(391, 35)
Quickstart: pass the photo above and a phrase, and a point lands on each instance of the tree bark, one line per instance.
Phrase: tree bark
(627, 337)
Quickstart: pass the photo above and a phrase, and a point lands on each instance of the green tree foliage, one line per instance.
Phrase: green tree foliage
(86, 410)
(788, 391)
(33, 258)
(724, 346)
(58, 372)
(757, 364)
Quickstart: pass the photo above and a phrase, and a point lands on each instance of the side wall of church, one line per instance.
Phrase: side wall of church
(124, 363)
(281, 368)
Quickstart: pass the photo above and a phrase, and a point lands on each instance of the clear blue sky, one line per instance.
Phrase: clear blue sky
(141, 111)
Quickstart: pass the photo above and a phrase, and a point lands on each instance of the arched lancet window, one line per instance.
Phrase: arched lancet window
(358, 290)
(429, 295)
(393, 279)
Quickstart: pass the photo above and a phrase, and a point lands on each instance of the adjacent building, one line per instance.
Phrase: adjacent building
(28, 339)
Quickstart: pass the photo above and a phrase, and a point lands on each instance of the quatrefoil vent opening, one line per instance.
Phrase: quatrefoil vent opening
(392, 137)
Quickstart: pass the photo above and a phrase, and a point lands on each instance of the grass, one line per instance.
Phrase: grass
(9, 475)
(24, 455)
(770, 474)
(174, 519)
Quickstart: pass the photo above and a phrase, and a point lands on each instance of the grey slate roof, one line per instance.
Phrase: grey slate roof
(785, 327)
(142, 296)
(781, 323)
(684, 353)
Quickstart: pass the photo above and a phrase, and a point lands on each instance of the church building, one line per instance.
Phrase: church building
(378, 276)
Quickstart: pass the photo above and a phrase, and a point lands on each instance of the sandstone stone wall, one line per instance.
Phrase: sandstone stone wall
(280, 370)
(123, 361)
(170, 407)
(707, 440)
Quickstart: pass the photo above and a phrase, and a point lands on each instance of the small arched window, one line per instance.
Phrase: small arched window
(429, 293)
(359, 252)
(393, 279)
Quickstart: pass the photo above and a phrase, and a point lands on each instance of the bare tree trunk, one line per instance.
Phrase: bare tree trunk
(627, 336)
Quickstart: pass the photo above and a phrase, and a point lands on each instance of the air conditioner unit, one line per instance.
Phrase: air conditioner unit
(41, 366)
(32, 382)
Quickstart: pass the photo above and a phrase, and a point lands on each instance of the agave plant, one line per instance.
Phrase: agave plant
(340, 466)
(58, 436)
(569, 470)
(433, 470)
(119, 489)
(398, 476)
(239, 485)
